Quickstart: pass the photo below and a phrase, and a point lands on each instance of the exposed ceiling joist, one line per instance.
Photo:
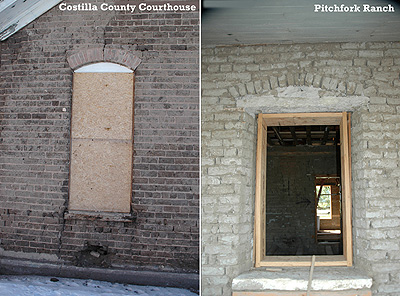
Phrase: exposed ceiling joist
(309, 140)
(293, 132)
(317, 135)
(278, 135)
(326, 134)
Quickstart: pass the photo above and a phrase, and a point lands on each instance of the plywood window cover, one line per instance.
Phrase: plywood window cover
(103, 130)
(292, 119)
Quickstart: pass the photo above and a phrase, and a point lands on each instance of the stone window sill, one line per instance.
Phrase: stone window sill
(296, 279)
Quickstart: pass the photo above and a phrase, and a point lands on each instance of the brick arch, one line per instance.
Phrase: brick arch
(343, 88)
(101, 54)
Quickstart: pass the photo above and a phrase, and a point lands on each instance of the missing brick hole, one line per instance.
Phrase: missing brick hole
(93, 255)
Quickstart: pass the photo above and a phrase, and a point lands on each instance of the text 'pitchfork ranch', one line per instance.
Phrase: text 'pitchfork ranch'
(355, 8)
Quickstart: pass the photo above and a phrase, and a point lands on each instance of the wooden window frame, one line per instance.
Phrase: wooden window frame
(293, 119)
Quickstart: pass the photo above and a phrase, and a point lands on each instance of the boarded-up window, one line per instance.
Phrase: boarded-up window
(102, 138)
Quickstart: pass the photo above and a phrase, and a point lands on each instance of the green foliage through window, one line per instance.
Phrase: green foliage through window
(324, 203)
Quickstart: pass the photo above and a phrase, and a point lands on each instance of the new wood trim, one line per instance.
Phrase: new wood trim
(276, 261)
(346, 188)
(292, 119)
(259, 211)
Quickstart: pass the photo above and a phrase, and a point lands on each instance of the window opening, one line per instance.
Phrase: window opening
(102, 139)
(295, 154)
(324, 201)
(302, 161)
(329, 214)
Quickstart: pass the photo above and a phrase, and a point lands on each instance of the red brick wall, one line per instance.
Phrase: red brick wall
(35, 102)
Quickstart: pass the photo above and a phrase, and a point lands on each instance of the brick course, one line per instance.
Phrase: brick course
(358, 77)
(37, 64)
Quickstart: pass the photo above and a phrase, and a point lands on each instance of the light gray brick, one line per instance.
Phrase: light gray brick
(233, 91)
(250, 88)
(258, 86)
(242, 89)
(370, 53)
(393, 101)
(360, 69)
(273, 81)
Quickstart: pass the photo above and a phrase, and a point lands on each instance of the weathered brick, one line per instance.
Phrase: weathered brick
(35, 146)
(370, 53)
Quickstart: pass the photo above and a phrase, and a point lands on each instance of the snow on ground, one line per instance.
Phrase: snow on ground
(56, 286)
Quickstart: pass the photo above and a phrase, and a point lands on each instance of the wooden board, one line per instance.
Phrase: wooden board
(102, 142)
(293, 119)
(102, 106)
(261, 191)
(101, 176)
(324, 260)
(346, 188)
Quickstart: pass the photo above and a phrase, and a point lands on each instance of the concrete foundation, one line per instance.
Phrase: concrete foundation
(120, 275)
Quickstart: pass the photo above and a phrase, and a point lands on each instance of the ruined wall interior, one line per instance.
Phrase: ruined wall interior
(290, 197)
(35, 99)
(240, 81)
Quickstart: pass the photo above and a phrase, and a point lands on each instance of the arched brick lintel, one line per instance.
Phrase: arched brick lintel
(271, 83)
(101, 54)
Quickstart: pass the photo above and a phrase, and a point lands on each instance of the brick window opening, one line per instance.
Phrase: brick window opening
(102, 139)
(303, 193)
